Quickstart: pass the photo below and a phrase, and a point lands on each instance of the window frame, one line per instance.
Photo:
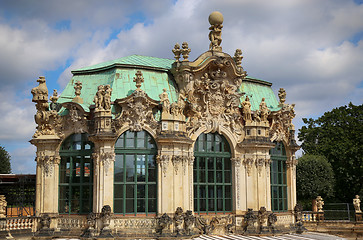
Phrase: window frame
(124, 150)
(278, 173)
(210, 153)
(70, 157)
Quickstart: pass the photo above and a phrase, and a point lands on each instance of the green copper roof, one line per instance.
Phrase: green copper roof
(131, 61)
(257, 89)
(121, 82)
(120, 73)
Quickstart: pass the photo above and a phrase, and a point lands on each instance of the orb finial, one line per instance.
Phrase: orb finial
(215, 18)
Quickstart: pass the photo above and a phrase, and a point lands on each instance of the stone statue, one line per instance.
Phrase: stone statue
(3, 205)
(40, 93)
(246, 105)
(106, 220)
(45, 221)
(189, 221)
(215, 35)
(77, 88)
(98, 99)
(107, 97)
(262, 220)
(271, 222)
(164, 99)
(54, 105)
(298, 219)
(264, 111)
(179, 219)
(250, 219)
(356, 204)
(319, 203)
(91, 225)
(163, 222)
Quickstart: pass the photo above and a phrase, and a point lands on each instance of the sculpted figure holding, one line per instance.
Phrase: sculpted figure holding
(107, 97)
(246, 109)
(264, 110)
(164, 99)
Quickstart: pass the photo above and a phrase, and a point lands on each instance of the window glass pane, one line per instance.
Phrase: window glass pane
(152, 205)
(118, 206)
(211, 205)
(141, 191)
(129, 205)
(152, 191)
(140, 205)
(118, 191)
(227, 176)
(119, 170)
(228, 204)
(129, 191)
(130, 143)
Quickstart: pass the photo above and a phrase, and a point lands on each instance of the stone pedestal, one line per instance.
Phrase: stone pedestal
(358, 217)
(320, 217)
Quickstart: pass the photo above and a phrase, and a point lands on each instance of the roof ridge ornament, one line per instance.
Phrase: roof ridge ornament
(138, 79)
(215, 35)
(77, 88)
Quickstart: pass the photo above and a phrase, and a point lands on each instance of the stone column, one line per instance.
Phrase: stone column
(239, 199)
(47, 174)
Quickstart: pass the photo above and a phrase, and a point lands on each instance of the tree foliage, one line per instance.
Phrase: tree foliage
(314, 177)
(4, 161)
(338, 135)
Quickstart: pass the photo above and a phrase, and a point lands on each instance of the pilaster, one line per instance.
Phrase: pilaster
(47, 158)
(103, 160)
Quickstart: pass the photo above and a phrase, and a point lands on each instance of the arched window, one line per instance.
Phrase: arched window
(76, 175)
(278, 178)
(135, 174)
(212, 174)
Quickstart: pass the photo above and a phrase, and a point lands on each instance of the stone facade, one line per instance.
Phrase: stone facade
(209, 101)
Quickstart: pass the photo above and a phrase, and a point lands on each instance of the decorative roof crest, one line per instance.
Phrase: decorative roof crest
(215, 35)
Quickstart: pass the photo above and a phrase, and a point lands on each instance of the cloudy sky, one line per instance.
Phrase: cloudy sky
(314, 49)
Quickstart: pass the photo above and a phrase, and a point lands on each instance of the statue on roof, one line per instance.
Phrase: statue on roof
(264, 111)
(107, 97)
(246, 105)
(164, 99)
(215, 35)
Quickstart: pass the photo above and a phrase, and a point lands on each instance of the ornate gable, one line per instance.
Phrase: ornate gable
(137, 108)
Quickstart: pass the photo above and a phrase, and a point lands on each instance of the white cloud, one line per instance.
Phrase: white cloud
(23, 160)
(303, 46)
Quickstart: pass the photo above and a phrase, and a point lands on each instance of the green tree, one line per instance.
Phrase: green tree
(314, 177)
(4, 161)
(338, 135)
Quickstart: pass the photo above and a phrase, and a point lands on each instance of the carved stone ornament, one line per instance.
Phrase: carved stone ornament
(271, 222)
(76, 120)
(47, 163)
(185, 51)
(163, 223)
(137, 109)
(47, 120)
(262, 220)
(215, 35)
(246, 106)
(164, 99)
(77, 92)
(179, 219)
(178, 160)
(248, 162)
(3, 204)
(107, 158)
(260, 163)
(189, 222)
(106, 220)
(250, 220)
(236, 162)
(212, 98)
(264, 110)
(292, 162)
(281, 127)
(319, 203)
(356, 204)
(177, 51)
(163, 162)
(102, 98)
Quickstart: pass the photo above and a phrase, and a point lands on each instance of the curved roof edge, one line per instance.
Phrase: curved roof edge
(139, 61)
(256, 80)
